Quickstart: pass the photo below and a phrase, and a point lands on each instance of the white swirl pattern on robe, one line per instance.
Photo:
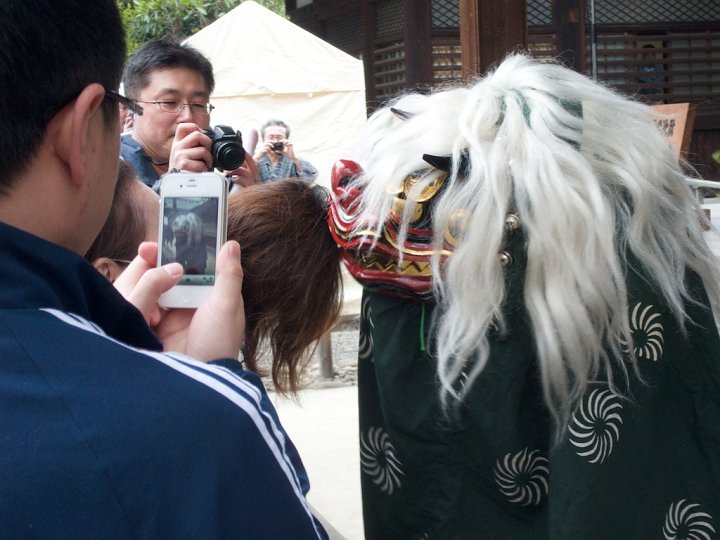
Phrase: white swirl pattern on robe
(523, 478)
(365, 344)
(378, 461)
(687, 521)
(647, 332)
(595, 425)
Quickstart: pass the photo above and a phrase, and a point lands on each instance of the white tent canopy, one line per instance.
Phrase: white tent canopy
(267, 67)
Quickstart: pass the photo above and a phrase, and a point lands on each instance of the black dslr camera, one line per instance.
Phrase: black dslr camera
(227, 147)
(278, 146)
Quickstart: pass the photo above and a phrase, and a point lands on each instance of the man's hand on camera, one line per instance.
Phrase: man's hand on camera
(288, 150)
(262, 150)
(215, 330)
(245, 175)
(190, 150)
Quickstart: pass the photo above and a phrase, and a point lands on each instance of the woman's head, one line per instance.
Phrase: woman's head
(133, 219)
(292, 287)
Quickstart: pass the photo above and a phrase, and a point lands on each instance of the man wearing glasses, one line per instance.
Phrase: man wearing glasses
(173, 83)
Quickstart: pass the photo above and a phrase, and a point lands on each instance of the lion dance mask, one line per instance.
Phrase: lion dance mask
(539, 355)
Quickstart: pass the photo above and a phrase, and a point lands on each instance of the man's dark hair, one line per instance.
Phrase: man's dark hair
(125, 227)
(50, 50)
(274, 122)
(163, 54)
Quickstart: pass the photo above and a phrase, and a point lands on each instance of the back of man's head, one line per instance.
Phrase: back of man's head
(50, 50)
(162, 54)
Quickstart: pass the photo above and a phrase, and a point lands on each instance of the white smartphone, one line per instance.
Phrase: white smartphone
(193, 228)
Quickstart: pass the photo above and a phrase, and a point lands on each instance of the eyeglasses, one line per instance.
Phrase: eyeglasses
(127, 102)
(174, 106)
(131, 105)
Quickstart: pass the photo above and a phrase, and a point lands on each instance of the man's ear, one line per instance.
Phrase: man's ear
(75, 139)
(108, 268)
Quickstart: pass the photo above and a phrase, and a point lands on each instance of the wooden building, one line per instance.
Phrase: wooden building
(666, 51)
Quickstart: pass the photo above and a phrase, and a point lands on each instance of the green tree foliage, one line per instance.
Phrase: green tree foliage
(146, 20)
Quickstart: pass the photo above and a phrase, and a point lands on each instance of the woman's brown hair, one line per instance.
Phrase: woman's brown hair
(292, 287)
(125, 226)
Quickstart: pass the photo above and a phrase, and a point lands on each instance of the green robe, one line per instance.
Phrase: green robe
(644, 465)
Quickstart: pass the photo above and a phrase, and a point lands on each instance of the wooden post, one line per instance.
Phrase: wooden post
(325, 352)
(470, 37)
(489, 30)
(418, 42)
(368, 22)
(569, 22)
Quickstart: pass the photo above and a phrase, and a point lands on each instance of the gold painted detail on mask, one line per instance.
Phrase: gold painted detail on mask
(402, 192)
(456, 227)
(424, 252)
(346, 235)
(391, 266)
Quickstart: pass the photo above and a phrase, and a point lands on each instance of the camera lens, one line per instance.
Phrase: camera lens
(228, 155)
(227, 149)
(278, 146)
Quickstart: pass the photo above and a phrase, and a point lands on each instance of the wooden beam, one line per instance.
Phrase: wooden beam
(489, 30)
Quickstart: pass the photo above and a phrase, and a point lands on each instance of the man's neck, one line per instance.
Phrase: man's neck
(273, 157)
(160, 168)
(159, 163)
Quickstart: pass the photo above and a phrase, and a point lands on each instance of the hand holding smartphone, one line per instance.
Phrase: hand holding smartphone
(193, 228)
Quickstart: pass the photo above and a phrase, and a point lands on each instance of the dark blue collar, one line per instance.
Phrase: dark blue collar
(132, 152)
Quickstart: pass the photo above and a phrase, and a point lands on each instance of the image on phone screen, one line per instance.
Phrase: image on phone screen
(190, 237)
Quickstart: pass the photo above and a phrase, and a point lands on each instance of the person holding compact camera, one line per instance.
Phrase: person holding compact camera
(276, 157)
(173, 83)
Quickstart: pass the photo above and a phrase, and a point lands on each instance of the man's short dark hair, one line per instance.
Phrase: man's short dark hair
(50, 50)
(164, 54)
(274, 122)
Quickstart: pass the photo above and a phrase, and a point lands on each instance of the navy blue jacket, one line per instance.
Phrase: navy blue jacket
(102, 435)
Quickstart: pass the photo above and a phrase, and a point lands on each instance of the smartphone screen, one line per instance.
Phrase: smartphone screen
(190, 237)
(192, 229)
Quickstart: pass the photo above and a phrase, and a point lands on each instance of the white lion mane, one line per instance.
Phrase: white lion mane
(569, 178)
